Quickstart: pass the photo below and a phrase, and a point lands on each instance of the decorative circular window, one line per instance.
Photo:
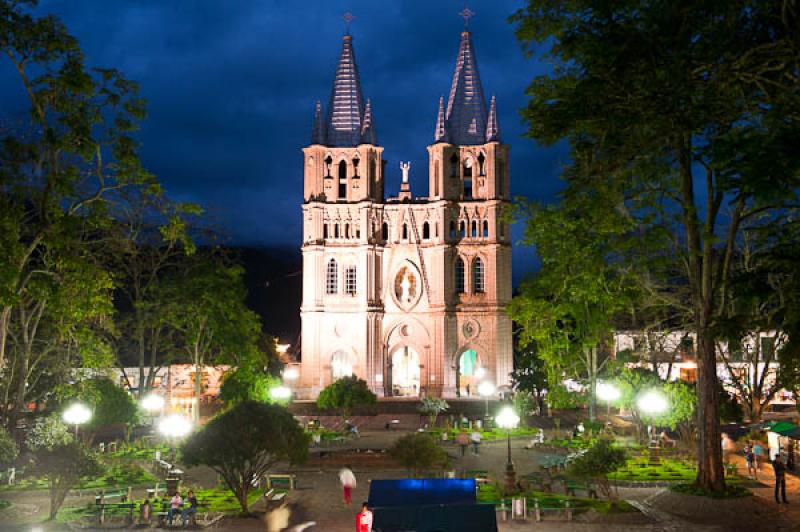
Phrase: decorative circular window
(470, 329)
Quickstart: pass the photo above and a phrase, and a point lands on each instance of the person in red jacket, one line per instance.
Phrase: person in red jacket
(364, 519)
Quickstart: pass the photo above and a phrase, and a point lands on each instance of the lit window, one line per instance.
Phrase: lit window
(331, 278)
(350, 281)
(474, 229)
(477, 276)
(460, 276)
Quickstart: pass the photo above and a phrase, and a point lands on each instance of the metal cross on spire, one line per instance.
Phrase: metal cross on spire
(466, 14)
(348, 18)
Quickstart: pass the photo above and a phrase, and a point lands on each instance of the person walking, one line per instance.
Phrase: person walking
(780, 478)
(364, 519)
(750, 458)
(758, 450)
(475, 438)
(462, 439)
(348, 481)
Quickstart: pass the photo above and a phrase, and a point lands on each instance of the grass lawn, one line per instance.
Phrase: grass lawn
(4, 504)
(116, 475)
(486, 435)
(491, 494)
(640, 470)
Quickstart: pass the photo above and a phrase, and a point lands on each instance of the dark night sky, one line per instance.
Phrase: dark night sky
(231, 86)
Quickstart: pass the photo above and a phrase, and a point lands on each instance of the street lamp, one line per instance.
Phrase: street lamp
(77, 414)
(174, 427)
(281, 393)
(290, 374)
(652, 403)
(486, 389)
(608, 393)
(508, 419)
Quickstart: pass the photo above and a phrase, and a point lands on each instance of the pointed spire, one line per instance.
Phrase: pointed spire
(368, 135)
(492, 125)
(466, 106)
(346, 106)
(318, 129)
(440, 135)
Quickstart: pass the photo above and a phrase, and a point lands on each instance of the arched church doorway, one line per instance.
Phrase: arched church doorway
(341, 365)
(469, 373)
(405, 372)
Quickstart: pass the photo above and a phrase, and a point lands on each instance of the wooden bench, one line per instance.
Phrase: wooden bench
(161, 516)
(103, 506)
(539, 510)
(281, 481)
(122, 495)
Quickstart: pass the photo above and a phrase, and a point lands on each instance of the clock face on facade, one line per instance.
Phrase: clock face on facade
(406, 287)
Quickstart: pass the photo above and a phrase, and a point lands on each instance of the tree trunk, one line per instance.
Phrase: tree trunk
(5, 315)
(241, 494)
(198, 388)
(710, 474)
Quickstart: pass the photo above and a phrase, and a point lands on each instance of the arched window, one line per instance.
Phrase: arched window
(328, 163)
(474, 229)
(481, 161)
(347, 230)
(454, 165)
(468, 178)
(341, 366)
(385, 232)
(477, 276)
(332, 277)
(342, 180)
(486, 229)
(405, 231)
(460, 275)
(325, 231)
(336, 231)
(453, 229)
(350, 281)
(356, 160)
(426, 231)
(462, 229)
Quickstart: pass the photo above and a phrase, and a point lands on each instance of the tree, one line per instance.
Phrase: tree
(566, 309)
(525, 404)
(63, 465)
(8, 447)
(264, 435)
(209, 311)
(344, 394)
(596, 463)
(418, 452)
(248, 384)
(432, 406)
(48, 432)
(530, 377)
(60, 168)
(634, 382)
(690, 141)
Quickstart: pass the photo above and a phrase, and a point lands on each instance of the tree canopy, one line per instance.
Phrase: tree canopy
(344, 394)
(243, 443)
(682, 118)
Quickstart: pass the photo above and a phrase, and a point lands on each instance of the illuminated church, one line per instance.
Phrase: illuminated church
(407, 293)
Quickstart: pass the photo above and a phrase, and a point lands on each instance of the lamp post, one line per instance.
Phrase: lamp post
(652, 403)
(174, 427)
(608, 393)
(508, 419)
(77, 414)
(153, 404)
(486, 390)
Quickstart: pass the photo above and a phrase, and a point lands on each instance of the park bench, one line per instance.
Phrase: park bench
(122, 495)
(572, 486)
(539, 510)
(103, 507)
(162, 515)
(281, 481)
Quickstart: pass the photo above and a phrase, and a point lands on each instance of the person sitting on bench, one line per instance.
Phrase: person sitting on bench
(192, 509)
(174, 506)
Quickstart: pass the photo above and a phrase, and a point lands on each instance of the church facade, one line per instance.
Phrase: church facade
(407, 293)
